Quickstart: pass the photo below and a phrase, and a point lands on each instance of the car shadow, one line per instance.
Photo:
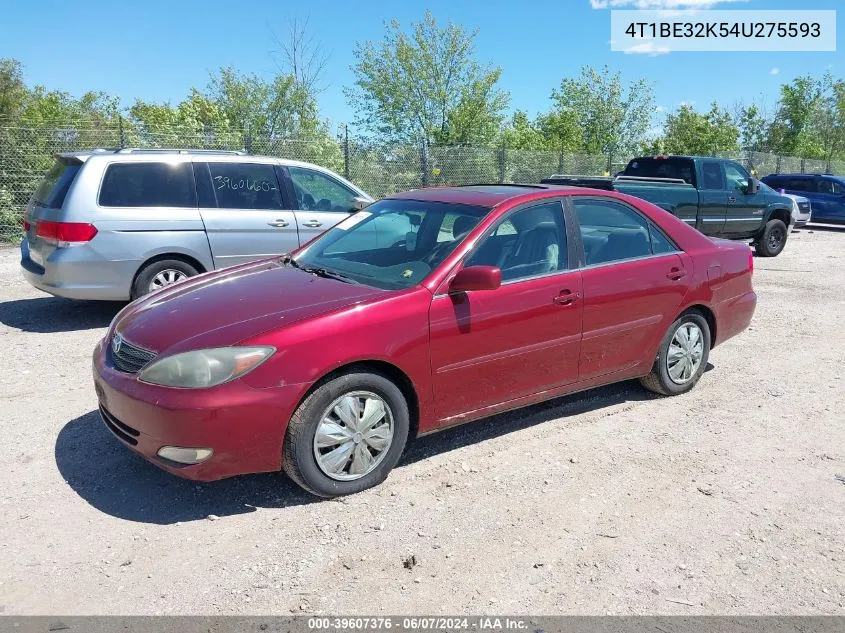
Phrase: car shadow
(519, 419)
(118, 482)
(52, 314)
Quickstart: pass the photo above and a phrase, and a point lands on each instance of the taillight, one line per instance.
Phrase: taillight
(750, 261)
(65, 232)
(26, 225)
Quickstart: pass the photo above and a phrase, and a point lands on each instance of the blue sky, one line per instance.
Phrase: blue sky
(157, 49)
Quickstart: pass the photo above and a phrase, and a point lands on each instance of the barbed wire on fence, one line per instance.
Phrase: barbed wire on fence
(26, 153)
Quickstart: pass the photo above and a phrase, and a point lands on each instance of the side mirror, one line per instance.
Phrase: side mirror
(476, 278)
(753, 186)
(358, 203)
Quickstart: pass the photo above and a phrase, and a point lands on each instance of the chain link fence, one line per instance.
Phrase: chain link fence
(378, 168)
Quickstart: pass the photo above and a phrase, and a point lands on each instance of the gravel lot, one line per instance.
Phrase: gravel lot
(725, 500)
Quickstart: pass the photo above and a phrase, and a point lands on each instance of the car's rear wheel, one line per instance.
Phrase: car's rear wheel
(772, 240)
(682, 356)
(347, 435)
(160, 274)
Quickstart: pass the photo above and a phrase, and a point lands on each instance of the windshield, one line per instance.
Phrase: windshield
(392, 244)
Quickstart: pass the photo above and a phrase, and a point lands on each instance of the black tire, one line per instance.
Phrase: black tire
(773, 239)
(659, 380)
(141, 285)
(298, 458)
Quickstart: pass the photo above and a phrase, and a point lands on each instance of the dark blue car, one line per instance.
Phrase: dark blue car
(826, 193)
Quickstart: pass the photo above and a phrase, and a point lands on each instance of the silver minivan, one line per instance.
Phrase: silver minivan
(117, 224)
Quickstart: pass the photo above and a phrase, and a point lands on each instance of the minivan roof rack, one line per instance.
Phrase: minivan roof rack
(142, 150)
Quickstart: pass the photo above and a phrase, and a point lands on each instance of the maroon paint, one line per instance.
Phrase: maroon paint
(466, 355)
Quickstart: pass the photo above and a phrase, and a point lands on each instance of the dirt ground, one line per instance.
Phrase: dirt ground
(727, 500)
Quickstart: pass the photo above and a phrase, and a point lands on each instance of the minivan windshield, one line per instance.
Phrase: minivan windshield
(391, 244)
(54, 187)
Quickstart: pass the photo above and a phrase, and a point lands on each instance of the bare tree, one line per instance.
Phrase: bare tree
(298, 53)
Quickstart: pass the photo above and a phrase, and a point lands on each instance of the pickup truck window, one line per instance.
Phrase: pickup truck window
(711, 176)
(736, 176)
(674, 167)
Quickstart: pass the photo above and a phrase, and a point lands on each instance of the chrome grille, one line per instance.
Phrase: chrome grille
(128, 357)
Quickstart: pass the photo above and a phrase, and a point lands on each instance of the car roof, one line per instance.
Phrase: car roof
(205, 154)
(833, 176)
(481, 195)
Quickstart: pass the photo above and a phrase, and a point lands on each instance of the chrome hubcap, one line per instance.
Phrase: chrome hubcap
(167, 277)
(353, 436)
(685, 353)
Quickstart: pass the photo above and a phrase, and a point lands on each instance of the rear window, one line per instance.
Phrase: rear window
(52, 191)
(148, 185)
(679, 168)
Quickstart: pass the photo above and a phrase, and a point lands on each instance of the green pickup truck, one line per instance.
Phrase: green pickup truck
(717, 196)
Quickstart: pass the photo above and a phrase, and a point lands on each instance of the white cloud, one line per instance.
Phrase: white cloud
(647, 48)
(660, 5)
(660, 109)
(689, 104)
(774, 71)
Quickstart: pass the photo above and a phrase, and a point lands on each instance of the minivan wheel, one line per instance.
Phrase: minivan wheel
(773, 239)
(161, 274)
(682, 356)
(347, 435)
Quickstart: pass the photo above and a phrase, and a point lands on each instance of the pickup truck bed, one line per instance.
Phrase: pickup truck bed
(717, 196)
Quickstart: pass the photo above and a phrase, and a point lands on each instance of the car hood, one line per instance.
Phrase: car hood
(225, 307)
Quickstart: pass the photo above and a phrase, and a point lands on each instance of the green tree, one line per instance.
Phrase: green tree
(426, 86)
(754, 128)
(521, 133)
(12, 89)
(279, 107)
(612, 116)
(689, 132)
(562, 130)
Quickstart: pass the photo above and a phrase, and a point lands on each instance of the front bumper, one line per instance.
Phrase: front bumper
(244, 426)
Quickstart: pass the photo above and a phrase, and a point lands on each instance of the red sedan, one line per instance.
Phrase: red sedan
(427, 309)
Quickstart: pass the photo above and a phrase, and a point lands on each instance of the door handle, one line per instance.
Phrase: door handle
(731, 199)
(675, 274)
(566, 298)
(312, 224)
(279, 224)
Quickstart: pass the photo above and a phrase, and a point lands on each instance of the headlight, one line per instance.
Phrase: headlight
(204, 367)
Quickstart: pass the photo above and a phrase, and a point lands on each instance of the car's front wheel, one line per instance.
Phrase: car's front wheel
(772, 240)
(347, 435)
(682, 356)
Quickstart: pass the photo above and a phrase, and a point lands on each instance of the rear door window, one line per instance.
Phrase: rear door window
(831, 187)
(245, 186)
(712, 177)
(611, 231)
(53, 189)
(148, 185)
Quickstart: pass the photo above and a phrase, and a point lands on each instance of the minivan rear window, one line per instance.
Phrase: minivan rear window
(52, 191)
(148, 185)
(679, 168)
